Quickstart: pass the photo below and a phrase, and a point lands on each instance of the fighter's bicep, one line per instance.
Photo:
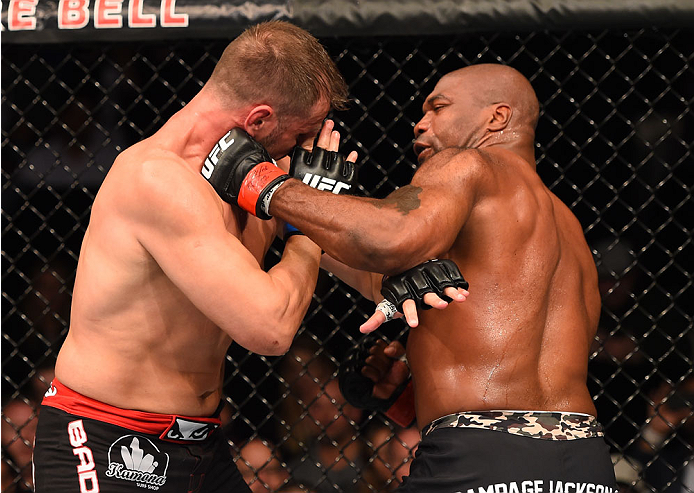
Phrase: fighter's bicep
(431, 215)
(186, 236)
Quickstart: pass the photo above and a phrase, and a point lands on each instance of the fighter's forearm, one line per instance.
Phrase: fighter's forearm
(367, 283)
(367, 234)
(294, 280)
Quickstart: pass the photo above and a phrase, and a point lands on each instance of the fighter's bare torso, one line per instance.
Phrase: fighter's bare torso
(521, 339)
(135, 340)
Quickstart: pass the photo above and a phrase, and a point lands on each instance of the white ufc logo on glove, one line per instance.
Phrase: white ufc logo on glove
(322, 183)
(213, 156)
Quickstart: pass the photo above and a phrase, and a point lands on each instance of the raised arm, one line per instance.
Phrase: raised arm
(180, 222)
(413, 224)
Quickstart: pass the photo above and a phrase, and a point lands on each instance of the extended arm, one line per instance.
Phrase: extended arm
(415, 223)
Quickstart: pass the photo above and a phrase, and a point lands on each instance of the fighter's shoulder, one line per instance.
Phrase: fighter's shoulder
(457, 168)
(458, 155)
(455, 161)
(151, 179)
(141, 162)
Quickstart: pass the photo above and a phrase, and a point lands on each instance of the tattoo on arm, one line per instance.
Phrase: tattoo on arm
(404, 199)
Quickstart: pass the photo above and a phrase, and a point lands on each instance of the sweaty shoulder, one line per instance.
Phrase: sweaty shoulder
(470, 160)
(455, 168)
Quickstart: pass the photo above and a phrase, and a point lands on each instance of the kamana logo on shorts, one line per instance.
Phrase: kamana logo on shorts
(51, 391)
(137, 459)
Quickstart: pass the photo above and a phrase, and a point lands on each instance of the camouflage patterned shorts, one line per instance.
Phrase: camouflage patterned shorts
(545, 425)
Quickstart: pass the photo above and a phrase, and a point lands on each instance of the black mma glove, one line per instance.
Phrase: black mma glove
(357, 389)
(433, 276)
(243, 173)
(324, 170)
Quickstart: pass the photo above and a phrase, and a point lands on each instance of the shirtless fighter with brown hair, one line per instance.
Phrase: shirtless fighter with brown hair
(169, 275)
(500, 380)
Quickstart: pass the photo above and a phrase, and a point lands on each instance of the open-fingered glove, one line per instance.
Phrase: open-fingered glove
(324, 170)
(432, 276)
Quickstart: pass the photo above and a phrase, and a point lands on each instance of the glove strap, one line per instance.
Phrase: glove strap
(257, 181)
(402, 411)
(290, 230)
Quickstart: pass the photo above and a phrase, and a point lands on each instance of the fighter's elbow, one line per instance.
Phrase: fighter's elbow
(278, 335)
(266, 329)
(270, 340)
(276, 347)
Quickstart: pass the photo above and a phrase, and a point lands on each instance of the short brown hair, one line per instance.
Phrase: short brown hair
(280, 64)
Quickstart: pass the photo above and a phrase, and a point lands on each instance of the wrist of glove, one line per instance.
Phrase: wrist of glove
(242, 172)
(290, 230)
(358, 389)
(433, 276)
(324, 170)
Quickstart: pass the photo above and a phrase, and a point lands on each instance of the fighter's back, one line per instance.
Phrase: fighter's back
(522, 338)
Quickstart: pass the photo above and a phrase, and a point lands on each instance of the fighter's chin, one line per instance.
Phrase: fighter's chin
(425, 155)
(277, 154)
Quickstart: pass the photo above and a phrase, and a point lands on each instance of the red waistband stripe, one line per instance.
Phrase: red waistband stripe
(170, 427)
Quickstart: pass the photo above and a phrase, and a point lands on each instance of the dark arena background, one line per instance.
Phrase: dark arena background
(615, 82)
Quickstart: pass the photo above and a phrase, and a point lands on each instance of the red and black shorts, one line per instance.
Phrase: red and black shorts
(83, 445)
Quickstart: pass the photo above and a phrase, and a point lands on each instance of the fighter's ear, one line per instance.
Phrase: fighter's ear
(500, 117)
(260, 121)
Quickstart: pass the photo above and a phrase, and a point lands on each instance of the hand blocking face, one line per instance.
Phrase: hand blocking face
(324, 170)
(243, 173)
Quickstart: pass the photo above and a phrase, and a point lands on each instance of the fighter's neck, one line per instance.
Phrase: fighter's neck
(515, 141)
(194, 130)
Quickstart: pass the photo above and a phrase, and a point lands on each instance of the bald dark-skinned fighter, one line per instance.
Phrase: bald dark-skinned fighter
(500, 380)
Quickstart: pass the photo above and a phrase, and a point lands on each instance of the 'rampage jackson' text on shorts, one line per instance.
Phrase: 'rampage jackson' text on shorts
(512, 452)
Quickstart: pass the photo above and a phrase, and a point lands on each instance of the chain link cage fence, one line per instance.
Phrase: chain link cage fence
(614, 143)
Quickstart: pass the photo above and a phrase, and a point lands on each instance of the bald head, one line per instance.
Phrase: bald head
(479, 106)
(491, 83)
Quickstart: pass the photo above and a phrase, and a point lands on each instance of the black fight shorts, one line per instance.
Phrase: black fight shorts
(512, 452)
(83, 445)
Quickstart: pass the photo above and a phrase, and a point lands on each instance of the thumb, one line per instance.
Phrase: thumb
(372, 323)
